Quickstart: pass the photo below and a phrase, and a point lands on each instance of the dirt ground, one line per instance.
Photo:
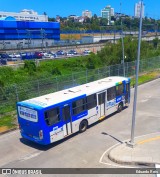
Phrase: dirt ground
(3, 129)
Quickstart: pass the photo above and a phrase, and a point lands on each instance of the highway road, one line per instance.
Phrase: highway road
(86, 149)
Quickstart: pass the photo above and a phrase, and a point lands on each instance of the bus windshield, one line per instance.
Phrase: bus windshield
(27, 114)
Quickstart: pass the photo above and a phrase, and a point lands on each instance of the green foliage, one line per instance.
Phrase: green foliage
(1, 83)
(7, 74)
(56, 71)
(155, 42)
(98, 23)
(30, 67)
(90, 63)
(111, 54)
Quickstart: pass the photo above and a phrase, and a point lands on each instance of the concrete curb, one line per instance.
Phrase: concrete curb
(127, 160)
(7, 131)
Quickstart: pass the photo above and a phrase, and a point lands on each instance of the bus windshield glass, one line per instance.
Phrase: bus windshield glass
(27, 114)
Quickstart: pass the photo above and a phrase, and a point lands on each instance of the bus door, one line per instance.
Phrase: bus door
(101, 105)
(127, 95)
(66, 113)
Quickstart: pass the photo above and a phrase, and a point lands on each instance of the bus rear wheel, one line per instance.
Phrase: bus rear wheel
(120, 107)
(83, 126)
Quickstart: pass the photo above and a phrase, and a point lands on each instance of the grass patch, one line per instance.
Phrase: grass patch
(7, 121)
(146, 77)
(6, 108)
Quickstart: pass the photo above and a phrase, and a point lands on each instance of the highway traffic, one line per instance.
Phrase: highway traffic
(6, 57)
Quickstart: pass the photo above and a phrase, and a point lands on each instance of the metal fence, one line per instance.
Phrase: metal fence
(10, 95)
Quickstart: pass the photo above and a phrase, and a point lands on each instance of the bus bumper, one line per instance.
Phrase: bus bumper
(36, 140)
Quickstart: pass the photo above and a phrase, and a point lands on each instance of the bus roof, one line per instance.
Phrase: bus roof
(73, 93)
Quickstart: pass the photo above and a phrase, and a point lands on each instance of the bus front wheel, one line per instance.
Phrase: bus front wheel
(83, 126)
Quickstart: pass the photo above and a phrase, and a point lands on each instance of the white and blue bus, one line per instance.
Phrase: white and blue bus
(52, 117)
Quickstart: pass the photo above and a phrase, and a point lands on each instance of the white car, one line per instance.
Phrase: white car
(86, 52)
(48, 55)
(11, 55)
(14, 55)
(17, 55)
(69, 54)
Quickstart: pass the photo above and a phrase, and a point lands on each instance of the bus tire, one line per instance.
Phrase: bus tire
(120, 107)
(83, 126)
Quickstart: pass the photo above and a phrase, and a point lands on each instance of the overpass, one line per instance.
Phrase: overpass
(98, 42)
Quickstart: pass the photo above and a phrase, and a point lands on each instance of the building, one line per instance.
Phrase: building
(107, 12)
(87, 13)
(25, 15)
(73, 17)
(137, 10)
(112, 11)
(25, 33)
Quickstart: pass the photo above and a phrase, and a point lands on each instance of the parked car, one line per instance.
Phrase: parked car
(3, 61)
(73, 52)
(22, 54)
(53, 54)
(4, 55)
(14, 55)
(48, 55)
(86, 52)
(12, 59)
(69, 54)
(17, 55)
(11, 55)
(38, 55)
(60, 52)
(27, 56)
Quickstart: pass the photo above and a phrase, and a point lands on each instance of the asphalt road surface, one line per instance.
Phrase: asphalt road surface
(86, 149)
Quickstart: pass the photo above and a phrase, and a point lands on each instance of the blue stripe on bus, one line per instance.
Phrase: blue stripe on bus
(79, 116)
(118, 99)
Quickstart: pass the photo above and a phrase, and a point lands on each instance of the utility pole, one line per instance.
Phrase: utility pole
(122, 41)
(131, 143)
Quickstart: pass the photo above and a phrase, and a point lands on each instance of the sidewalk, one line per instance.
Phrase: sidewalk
(146, 151)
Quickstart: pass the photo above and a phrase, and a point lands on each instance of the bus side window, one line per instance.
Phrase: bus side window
(119, 90)
(111, 93)
(91, 101)
(52, 116)
(79, 106)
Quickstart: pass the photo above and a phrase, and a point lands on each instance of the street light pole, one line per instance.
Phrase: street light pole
(136, 84)
(122, 44)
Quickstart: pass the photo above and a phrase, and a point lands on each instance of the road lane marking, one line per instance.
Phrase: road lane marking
(149, 140)
(30, 156)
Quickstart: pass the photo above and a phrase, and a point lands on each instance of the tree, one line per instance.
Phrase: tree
(51, 19)
(155, 42)
(103, 21)
(30, 67)
(95, 16)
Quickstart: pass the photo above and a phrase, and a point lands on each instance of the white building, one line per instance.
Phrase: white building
(87, 13)
(137, 10)
(25, 15)
(112, 11)
(107, 12)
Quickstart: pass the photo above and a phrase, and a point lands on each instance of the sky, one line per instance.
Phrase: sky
(65, 8)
